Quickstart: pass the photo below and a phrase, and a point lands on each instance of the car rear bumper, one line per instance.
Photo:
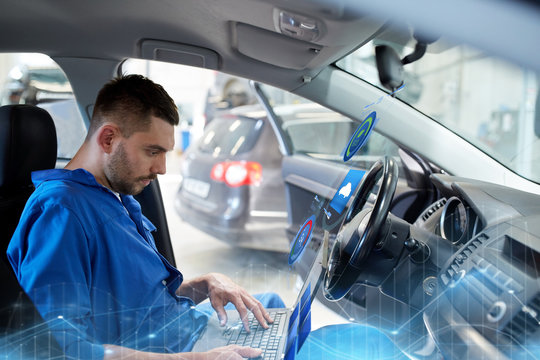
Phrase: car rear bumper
(205, 213)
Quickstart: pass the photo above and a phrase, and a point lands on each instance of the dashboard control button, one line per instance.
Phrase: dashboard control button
(430, 285)
(496, 312)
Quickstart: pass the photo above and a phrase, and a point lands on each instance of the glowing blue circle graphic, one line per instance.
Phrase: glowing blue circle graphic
(301, 240)
(360, 136)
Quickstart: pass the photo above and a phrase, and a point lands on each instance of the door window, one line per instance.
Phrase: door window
(313, 130)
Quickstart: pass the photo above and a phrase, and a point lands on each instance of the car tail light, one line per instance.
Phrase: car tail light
(237, 173)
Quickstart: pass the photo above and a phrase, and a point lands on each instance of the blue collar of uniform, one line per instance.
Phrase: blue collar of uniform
(84, 177)
(79, 175)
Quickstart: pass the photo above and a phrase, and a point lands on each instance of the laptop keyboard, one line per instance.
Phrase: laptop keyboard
(265, 339)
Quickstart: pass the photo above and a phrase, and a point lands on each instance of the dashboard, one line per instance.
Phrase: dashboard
(468, 289)
(488, 292)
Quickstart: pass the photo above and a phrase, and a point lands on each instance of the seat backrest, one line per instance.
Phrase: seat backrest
(27, 143)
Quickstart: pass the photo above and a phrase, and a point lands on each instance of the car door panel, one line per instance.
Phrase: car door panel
(305, 178)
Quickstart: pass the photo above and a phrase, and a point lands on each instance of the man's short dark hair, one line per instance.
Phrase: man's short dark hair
(129, 101)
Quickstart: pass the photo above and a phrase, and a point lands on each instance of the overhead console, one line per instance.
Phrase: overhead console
(307, 37)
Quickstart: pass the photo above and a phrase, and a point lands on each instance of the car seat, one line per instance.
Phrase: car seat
(27, 143)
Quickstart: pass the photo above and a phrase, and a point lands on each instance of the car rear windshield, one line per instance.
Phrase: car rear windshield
(240, 135)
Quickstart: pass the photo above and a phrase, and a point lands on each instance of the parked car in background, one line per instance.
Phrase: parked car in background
(231, 178)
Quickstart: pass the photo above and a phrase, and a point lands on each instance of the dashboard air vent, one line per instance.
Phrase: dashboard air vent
(525, 322)
(466, 253)
(436, 206)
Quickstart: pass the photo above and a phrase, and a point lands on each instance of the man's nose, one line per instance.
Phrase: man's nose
(159, 166)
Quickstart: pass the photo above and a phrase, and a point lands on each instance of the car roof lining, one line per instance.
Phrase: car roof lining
(204, 23)
(112, 30)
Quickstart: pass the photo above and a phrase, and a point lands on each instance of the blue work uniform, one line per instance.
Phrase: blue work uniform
(88, 261)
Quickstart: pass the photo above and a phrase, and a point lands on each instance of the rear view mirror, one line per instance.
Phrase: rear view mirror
(389, 66)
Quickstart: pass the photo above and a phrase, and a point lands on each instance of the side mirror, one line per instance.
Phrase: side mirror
(389, 66)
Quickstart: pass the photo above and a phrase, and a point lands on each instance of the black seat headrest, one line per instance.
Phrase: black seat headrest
(27, 143)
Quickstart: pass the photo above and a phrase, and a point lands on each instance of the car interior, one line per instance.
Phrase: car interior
(436, 241)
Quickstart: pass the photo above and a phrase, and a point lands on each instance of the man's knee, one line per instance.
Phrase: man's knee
(270, 300)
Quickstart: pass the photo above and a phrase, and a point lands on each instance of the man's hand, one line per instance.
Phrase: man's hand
(231, 352)
(221, 290)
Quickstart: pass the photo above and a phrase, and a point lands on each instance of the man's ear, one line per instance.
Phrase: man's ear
(107, 136)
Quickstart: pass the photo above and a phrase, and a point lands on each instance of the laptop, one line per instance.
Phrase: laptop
(284, 338)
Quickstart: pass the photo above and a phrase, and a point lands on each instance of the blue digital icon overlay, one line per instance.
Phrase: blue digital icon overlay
(360, 136)
(301, 240)
(346, 189)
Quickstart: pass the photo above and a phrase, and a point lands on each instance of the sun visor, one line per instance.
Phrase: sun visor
(179, 53)
(274, 48)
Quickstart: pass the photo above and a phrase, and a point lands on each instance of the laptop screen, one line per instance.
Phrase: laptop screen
(300, 321)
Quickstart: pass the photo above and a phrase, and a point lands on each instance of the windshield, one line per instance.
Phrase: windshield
(486, 101)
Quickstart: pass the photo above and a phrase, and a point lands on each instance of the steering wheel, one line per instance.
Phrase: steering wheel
(359, 231)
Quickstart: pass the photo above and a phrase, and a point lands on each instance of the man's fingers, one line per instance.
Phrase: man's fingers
(248, 352)
(259, 311)
(221, 313)
(266, 314)
(234, 352)
(222, 316)
(243, 311)
(259, 315)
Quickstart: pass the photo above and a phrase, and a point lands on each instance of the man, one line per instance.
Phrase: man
(84, 252)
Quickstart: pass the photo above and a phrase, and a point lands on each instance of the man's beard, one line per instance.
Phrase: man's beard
(119, 174)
